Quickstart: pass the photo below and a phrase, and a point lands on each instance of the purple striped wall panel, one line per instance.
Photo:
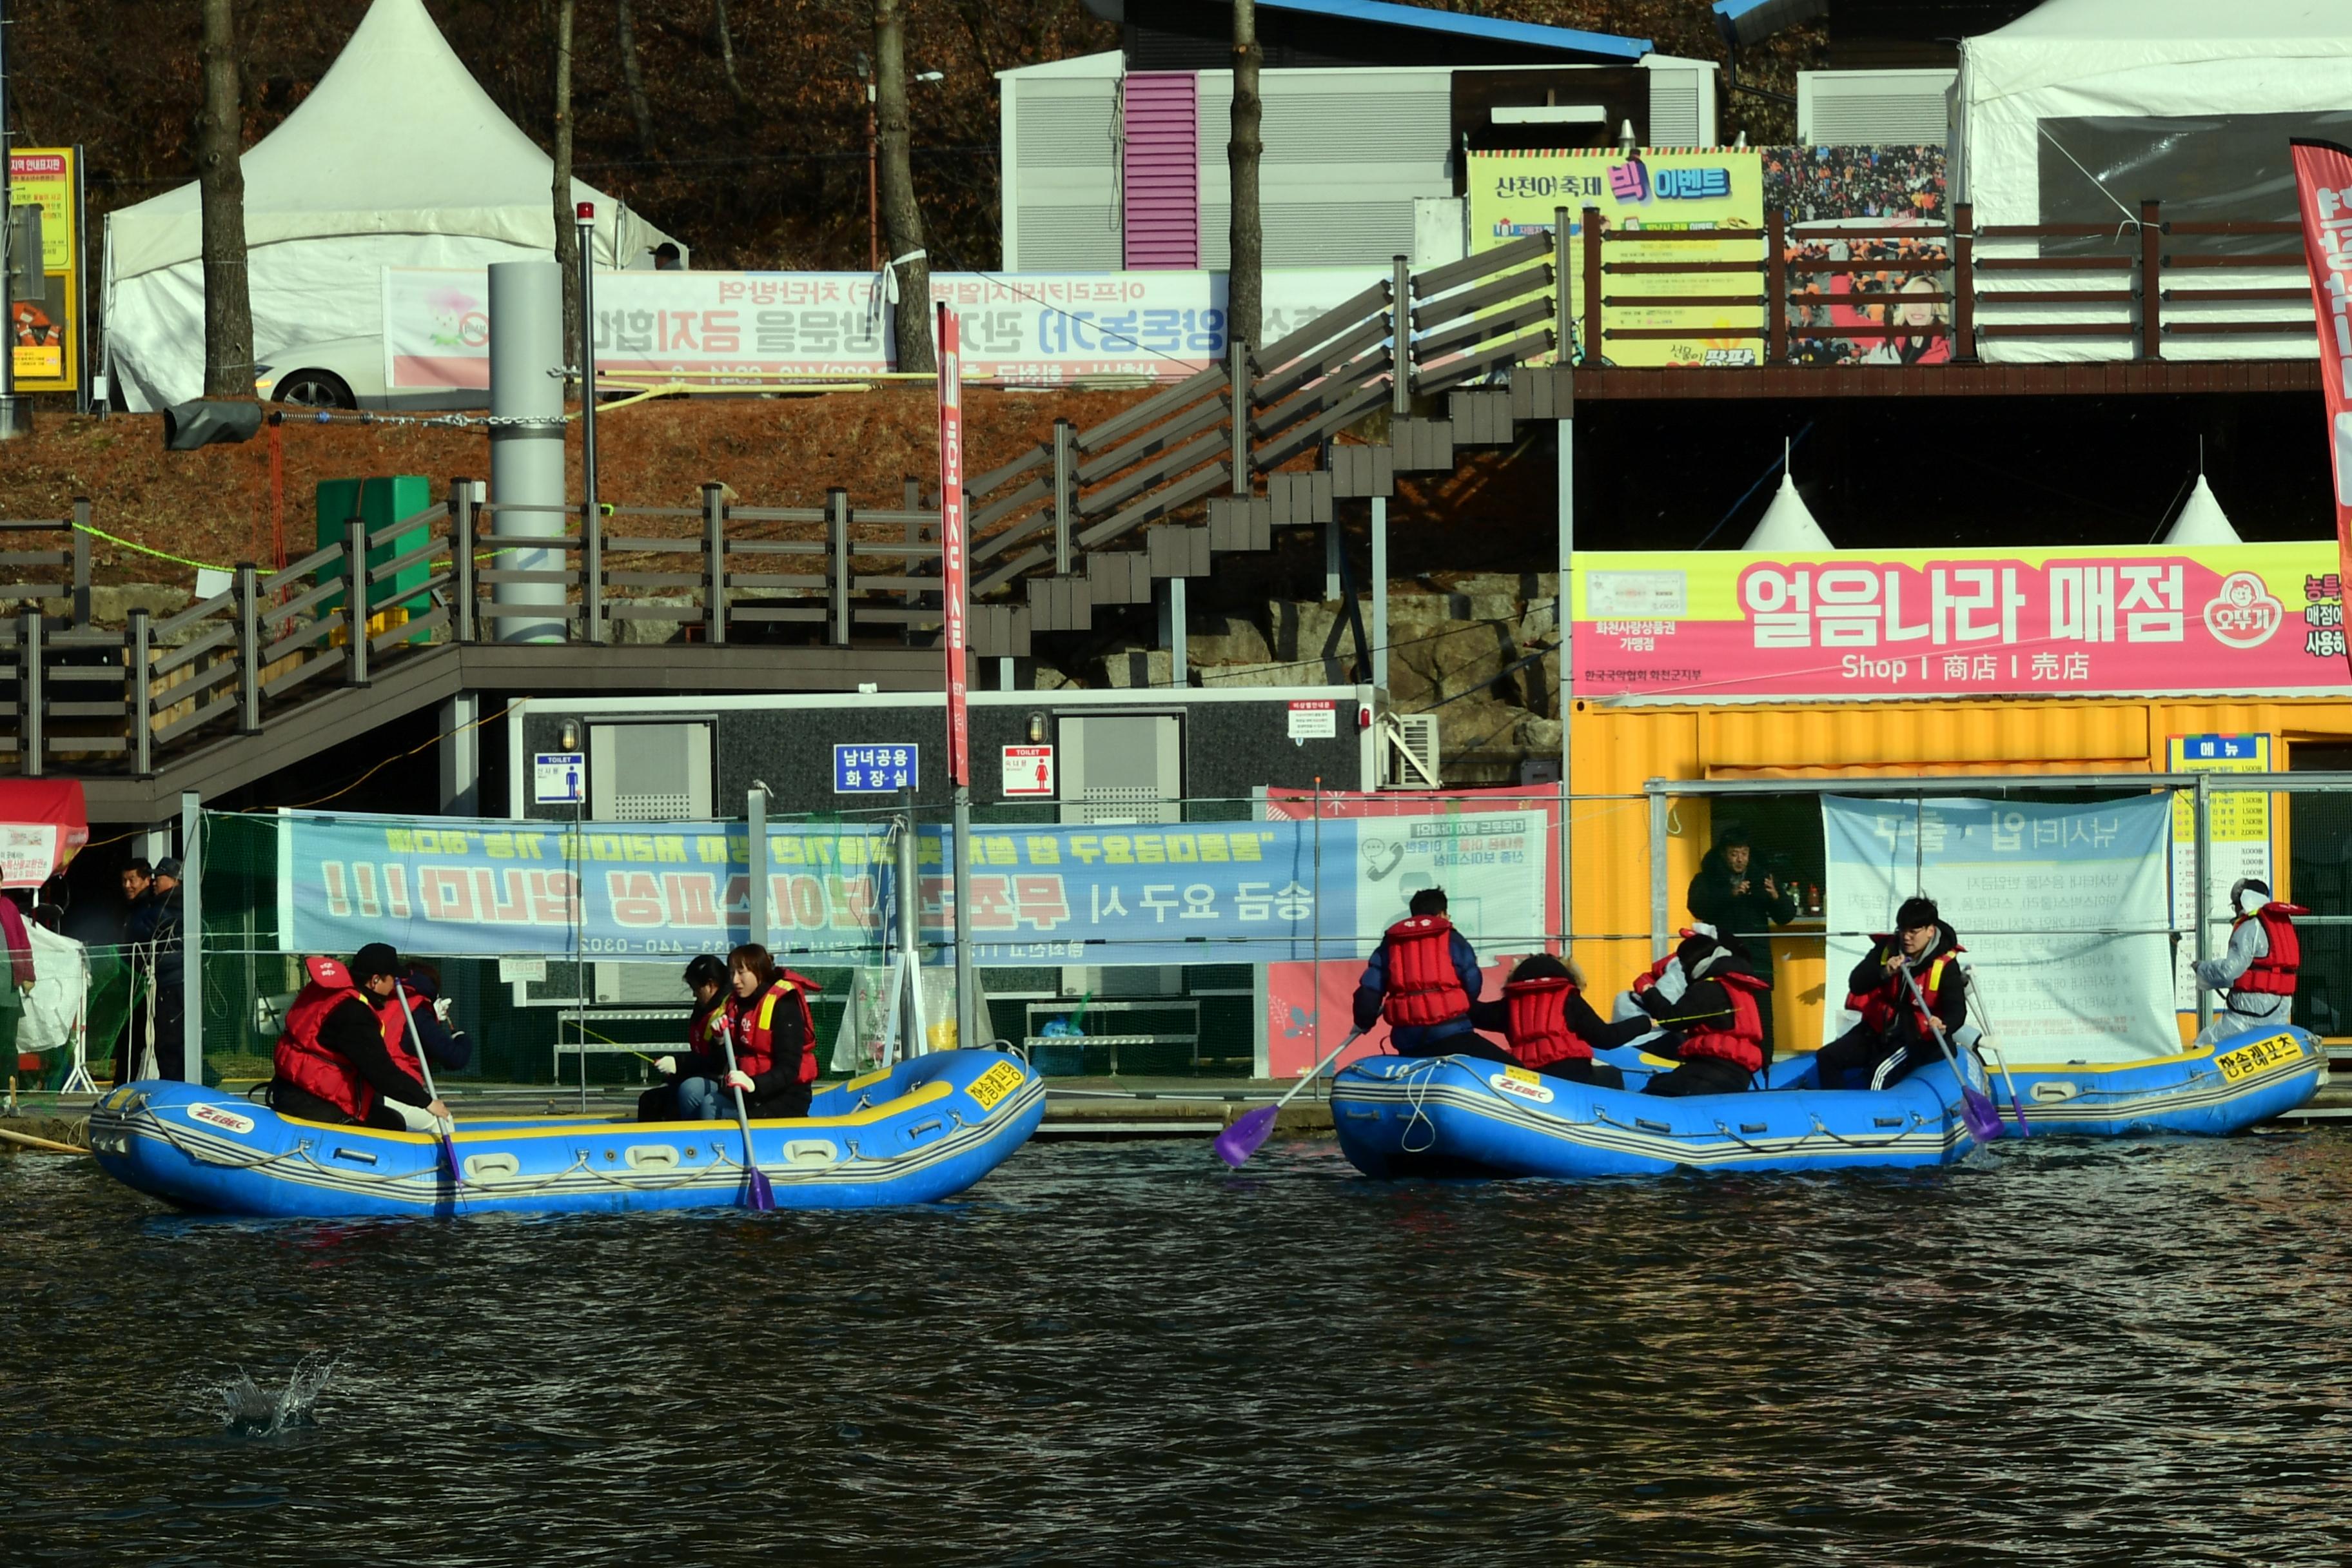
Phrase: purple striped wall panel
(1161, 172)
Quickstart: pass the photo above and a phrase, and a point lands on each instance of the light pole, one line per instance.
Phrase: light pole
(873, 141)
(591, 530)
(15, 418)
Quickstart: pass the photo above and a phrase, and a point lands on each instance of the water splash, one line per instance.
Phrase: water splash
(251, 1409)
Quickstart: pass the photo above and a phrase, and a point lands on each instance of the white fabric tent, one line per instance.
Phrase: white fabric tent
(2202, 522)
(2081, 110)
(1787, 527)
(397, 158)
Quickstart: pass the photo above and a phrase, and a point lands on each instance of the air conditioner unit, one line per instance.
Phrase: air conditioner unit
(1409, 750)
(1882, 108)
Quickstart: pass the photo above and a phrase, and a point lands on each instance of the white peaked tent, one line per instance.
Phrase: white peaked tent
(397, 158)
(2182, 66)
(2202, 522)
(1788, 527)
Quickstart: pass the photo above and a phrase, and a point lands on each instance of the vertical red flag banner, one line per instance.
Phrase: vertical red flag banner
(2322, 192)
(951, 541)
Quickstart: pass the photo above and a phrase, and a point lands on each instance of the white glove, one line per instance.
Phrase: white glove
(441, 1008)
(740, 1079)
(665, 1065)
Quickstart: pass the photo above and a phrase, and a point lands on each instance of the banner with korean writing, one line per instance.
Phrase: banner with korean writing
(1028, 327)
(1494, 852)
(1728, 627)
(44, 330)
(2064, 912)
(1198, 893)
(2322, 189)
(1515, 193)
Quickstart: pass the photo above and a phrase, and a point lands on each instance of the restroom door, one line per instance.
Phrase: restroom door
(1120, 770)
(648, 773)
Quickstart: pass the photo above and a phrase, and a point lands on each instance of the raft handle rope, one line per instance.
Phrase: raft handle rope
(1820, 1126)
(1725, 1128)
(1417, 1079)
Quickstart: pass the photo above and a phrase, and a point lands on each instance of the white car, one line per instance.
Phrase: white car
(347, 372)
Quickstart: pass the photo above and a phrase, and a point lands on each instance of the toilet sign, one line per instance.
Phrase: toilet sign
(1028, 771)
(556, 778)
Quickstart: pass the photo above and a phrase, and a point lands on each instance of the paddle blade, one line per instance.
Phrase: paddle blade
(1983, 1120)
(759, 1196)
(1236, 1144)
(449, 1152)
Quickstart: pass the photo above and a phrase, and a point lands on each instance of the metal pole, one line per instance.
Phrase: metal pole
(526, 444)
(1380, 592)
(1658, 812)
(592, 519)
(1180, 630)
(1065, 492)
(1315, 1017)
(2204, 903)
(15, 418)
(967, 1010)
(191, 939)
(1564, 630)
(755, 811)
(910, 931)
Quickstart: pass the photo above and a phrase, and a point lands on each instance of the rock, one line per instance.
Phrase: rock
(112, 606)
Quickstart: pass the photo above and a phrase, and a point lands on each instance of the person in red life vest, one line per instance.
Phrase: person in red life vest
(2255, 973)
(1715, 1019)
(1421, 979)
(1550, 1026)
(448, 1049)
(1894, 1038)
(767, 1021)
(343, 1058)
(706, 977)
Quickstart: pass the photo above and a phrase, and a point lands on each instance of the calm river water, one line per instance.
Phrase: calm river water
(2120, 1354)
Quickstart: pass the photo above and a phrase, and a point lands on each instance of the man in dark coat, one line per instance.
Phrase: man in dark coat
(1742, 902)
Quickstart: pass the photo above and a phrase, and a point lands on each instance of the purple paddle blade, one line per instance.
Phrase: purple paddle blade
(449, 1152)
(1236, 1144)
(1983, 1120)
(760, 1196)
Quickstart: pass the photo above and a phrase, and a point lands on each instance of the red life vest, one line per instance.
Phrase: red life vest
(1423, 987)
(1739, 1041)
(751, 1026)
(1882, 1004)
(702, 1033)
(2272, 975)
(393, 1018)
(1536, 1025)
(307, 1063)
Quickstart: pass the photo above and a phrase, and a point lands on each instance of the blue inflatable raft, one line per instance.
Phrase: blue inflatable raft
(1455, 1116)
(914, 1133)
(2210, 1091)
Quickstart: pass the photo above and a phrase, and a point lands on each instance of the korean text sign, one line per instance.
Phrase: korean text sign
(2064, 911)
(1726, 626)
(2322, 188)
(1204, 892)
(1516, 193)
(44, 329)
(1030, 327)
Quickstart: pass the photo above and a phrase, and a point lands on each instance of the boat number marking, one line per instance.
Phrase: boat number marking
(994, 1085)
(235, 1122)
(2247, 1060)
(1521, 1083)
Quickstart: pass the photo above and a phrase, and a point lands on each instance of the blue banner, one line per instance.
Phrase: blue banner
(1235, 892)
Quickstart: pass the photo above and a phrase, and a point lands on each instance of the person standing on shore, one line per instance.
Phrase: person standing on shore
(1742, 901)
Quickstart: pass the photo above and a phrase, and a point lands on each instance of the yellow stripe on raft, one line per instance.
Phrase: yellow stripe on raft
(936, 1089)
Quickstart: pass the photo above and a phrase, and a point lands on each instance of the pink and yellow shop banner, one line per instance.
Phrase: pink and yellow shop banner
(1723, 626)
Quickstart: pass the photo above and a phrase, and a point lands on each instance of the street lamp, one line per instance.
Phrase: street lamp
(864, 69)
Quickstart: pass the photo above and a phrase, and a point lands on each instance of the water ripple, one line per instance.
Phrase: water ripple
(2067, 1354)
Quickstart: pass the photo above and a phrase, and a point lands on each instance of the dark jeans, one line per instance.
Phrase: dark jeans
(1700, 1075)
(292, 1102)
(1584, 1069)
(1468, 1043)
(1861, 1059)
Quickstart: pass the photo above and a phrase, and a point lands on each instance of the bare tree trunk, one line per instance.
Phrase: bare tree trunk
(1244, 270)
(228, 305)
(567, 239)
(633, 73)
(727, 55)
(902, 220)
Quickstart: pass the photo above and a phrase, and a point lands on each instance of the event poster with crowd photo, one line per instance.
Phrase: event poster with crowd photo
(1726, 626)
(1516, 194)
(1891, 285)
(1034, 328)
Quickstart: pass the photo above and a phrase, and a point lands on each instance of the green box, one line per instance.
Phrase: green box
(380, 500)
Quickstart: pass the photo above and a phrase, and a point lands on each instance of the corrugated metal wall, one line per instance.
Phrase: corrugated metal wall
(1161, 168)
(1065, 141)
(1614, 751)
(1346, 154)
